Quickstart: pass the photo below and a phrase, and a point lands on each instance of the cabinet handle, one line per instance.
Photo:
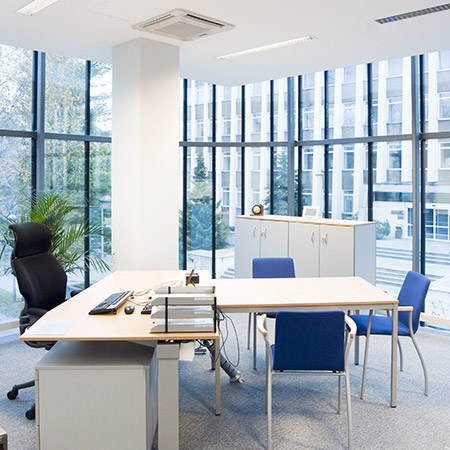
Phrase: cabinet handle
(325, 239)
(312, 237)
(264, 233)
(254, 231)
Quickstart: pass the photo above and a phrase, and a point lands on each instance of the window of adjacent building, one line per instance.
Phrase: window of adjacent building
(444, 105)
(395, 67)
(308, 118)
(349, 74)
(444, 60)
(444, 158)
(395, 110)
(308, 80)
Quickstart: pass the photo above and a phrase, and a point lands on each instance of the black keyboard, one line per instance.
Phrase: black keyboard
(112, 303)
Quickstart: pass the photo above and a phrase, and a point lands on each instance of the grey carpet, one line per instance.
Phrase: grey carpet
(304, 408)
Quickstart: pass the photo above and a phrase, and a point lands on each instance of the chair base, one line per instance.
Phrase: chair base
(14, 392)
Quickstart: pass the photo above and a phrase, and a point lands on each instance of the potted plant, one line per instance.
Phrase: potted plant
(55, 210)
(398, 232)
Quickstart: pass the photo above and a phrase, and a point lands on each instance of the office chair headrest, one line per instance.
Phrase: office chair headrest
(31, 238)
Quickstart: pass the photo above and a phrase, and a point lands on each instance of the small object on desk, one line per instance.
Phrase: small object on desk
(192, 278)
(129, 309)
(111, 303)
(147, 309)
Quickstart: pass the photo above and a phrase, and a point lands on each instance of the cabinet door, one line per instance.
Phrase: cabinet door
(304, 248)
(247, 240)
(274, 239)
(336, 251)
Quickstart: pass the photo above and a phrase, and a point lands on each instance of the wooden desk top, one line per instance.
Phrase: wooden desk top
(118, 327)
(269, 294)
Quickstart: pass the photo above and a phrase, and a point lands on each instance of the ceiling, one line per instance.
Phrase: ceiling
(346, 33)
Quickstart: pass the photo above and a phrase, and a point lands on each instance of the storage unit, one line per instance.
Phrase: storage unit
(96, 395)
(319, 247)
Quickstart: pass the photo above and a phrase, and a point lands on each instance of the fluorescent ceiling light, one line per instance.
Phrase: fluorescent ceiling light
(267, 47)
(35, 6)
(417, 13)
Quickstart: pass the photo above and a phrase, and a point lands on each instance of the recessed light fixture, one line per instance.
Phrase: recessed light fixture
(35, 6)
(411, 14)
(268, 47)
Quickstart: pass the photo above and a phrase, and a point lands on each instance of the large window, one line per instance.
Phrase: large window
(67, 152)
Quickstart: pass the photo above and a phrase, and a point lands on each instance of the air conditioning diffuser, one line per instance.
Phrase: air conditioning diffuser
(183, 25)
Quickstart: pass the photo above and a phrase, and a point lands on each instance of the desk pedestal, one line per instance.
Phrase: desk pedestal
(96, 395)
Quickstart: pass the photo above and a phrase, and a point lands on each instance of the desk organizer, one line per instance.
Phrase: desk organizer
(184, 309)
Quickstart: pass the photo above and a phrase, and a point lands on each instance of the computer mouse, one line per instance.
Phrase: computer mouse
(129, 309)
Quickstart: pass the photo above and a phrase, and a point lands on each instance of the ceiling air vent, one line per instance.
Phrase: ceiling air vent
(183, 25)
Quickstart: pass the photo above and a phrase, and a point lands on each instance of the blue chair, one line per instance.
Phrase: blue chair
(268, 268)
(410, 303)
(309, 343)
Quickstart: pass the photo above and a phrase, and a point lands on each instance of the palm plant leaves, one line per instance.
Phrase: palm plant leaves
(68, 231)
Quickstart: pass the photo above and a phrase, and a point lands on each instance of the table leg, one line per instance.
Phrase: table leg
(168, 421)
(217, 370)
(394, 356)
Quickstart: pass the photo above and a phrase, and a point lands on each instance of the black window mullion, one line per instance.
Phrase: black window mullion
(300, 148)
(185, 175)
(34, 106)
(422, 163)
(87, 182)
(326, 148)
(272, 151)
(369, 144)
(214, 178)
(243, 149)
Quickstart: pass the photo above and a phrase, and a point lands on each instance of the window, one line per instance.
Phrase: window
(349, 74)
(444, 60)
(444, 159)
(349, 158)
(349, 114)
(395, 110)
(395, 158)
(395, 67)
(308, 118)
(444, 105)
(308, 80)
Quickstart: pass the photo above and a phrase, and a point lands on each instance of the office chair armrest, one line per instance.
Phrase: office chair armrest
(75, 292)
(352, 325)
(262, 324)
(405, 308)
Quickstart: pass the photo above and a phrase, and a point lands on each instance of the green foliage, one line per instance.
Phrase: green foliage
(382, 228)
(199, 213)
(68, 230)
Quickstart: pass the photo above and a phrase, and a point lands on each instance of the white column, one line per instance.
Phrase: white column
(145, 150)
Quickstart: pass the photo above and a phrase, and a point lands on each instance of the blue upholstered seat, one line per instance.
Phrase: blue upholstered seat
(411, 299)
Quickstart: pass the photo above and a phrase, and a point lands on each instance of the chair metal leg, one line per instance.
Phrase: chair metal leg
(349, 410)
(249, 330)
(254, 341)
(339, 395)
(269, 406)
(422, 362)
(400, 351)
(366, 356)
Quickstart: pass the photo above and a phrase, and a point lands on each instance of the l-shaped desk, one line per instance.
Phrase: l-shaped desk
(235, 295)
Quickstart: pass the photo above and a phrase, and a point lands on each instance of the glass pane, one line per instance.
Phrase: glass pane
(257, 177)
(312, 108)
(391, 212)
(391, 112)
(199, 111)
(437, 259)
(101, 99)
(228, 114)
(16, 67)
(280, 108)
(100, 204)
(15, 195)
(64, 172)
(280, 182)
(312, 176)
(199, 210)
(348, 183)
(65, 95)
(347, 105)
(257, 112)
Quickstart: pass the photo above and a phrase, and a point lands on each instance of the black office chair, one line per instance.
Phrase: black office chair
(41, 280)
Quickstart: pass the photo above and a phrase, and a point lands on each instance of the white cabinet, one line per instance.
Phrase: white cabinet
(258, 238)
(319, 247)
(96, 395)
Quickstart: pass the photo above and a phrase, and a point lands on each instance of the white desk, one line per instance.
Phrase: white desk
(309, 294)
(131, 328)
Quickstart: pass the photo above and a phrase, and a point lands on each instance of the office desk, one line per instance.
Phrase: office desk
(131, 328)
(309, 294)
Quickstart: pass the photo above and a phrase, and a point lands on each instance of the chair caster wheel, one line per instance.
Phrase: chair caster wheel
(31, 413)
(12, 394)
